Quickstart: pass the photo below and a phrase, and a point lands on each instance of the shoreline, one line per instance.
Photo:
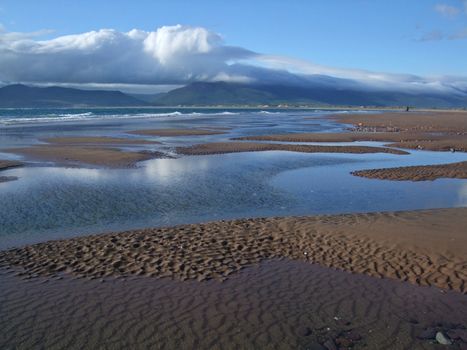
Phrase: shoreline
(423, 247)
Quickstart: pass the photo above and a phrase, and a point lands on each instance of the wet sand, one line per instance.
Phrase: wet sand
(412, 140)
(88, 155)
(8, 164)
(444, 130)
(176, 132)
(443, 143)
(454, 122)
(276, 305)
(8, 178)
(423, 247)
(417, 173)
(234, 147)
(435, 131)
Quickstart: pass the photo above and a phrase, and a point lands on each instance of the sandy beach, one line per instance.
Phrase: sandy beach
(435, 121)
(435, 131)
(276, 305)
(295, 282)
(379, 280)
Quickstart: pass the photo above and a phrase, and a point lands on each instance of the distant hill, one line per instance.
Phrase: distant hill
(19, 95)
(221, 93)
(323, 91)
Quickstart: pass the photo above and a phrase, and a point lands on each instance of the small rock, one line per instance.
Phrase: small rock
(353, 336)
(443, 339)
(304, 331)
(429, 333)
(458, 334)
(330, 345)
(343, 342)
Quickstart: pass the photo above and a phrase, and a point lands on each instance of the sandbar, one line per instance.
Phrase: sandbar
(76, 155)
(417, 173)
(96, 140)
(176, 132)
(8, 164)
(235, 147)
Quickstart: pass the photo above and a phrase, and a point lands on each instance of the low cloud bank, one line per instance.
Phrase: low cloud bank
(177, 55)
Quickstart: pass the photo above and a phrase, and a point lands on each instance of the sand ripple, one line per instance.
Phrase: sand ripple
(278, 305)
(422, 247)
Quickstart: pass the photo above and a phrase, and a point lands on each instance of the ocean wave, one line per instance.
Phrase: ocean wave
(268, 112)
(54, 117)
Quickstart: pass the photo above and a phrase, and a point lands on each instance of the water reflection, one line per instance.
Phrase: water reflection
(50, 202)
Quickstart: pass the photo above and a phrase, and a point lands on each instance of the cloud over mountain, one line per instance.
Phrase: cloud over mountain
(177, 55)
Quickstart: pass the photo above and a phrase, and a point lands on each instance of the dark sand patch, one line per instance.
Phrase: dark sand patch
(69, 154)
(8, 164)
(234, 147)
(8, 178)
(278, 305)
(417, 173)
(176, 132)
(423, 247)
(97, 140)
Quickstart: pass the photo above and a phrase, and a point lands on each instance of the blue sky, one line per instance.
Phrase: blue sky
(420, 37)
(371, 34)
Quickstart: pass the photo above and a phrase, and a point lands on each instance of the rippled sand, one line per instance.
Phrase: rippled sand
(426, 247)
(277, 305)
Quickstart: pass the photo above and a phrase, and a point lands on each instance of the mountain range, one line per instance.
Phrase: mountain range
(324, 93)
(22, 96)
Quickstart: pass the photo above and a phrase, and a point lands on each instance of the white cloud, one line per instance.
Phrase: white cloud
(176, 55)
(368, 79)
(17, 36)
(447, 10)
